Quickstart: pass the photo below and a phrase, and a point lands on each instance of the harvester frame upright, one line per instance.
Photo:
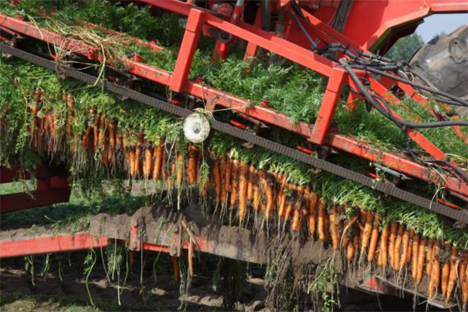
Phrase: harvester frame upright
(304, 37)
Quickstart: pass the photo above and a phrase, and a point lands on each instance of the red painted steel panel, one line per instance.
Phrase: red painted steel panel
(32, 246)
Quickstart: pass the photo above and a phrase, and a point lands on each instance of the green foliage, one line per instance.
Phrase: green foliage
(288, 87)
(405, 47)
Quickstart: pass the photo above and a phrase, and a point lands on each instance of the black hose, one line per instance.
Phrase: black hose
(413, 84)
(457, 171)
(389, 114)
(401, 123)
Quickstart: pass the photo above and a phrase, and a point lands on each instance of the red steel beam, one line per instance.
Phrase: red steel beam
(17, 247)
(187, 50)
(406, 166)
(213, 96)
(415, 135)
(251, 33)
(328, 107)
(409, 90)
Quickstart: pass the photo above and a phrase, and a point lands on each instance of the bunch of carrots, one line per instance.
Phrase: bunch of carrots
(236, 184)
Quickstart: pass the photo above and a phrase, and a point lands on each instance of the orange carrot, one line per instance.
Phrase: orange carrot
(410, 248)
(180, 169)
(217, 180)
(405, 244)
(138, 153)
(297, 217)
(383, 247)
(327, 229)
(148, 161)
(102, 134)
(289, 208)
(333, 228)
(367, 232)
(340, 223)
(124, 141)
(46, 122)
(234, 181)
(268, 193)
(430, 246)
(396, 251)
(373, 243)
(348, 226)
(96, 131)
(103, 140)
(171, 174)
(256, 195)
(227, 183)
(118, 137)
(132, 163)
(199, 162)
(391, 243)
(112, 139)
(313, 213)
(414, 267)
(85, 141)
(70, 114)
(282, 196)
(158, 160)
(307, 195)
(192, 165)
(421, 256)
(350, 252)
(445, 278)
(465, 287)
(282, 206)
(461, 274)
(250, 184)
(243, 180)
(356, 241)
(54, 124)
(321, 219)
(435, 277)
(454, 262)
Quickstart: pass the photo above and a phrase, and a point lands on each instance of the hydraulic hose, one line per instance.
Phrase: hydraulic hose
(388, 113)
(413, 84)
(457, 171)
(402, 123)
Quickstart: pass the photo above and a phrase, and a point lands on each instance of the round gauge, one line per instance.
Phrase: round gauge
(196, 127)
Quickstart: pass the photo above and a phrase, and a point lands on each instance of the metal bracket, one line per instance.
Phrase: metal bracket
(135, 235)
(176, 245)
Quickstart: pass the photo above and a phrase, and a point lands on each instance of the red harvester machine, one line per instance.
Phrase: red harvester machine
(343, 40)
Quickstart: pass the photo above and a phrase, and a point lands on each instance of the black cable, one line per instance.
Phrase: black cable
(389, 114)
(413, 84)
(457, 171)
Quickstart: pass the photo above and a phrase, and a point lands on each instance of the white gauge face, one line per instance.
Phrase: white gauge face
(196, 128)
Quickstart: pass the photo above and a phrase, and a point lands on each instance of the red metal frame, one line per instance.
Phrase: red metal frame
(17, 247)
(371, 24)
(178, 82)
(51, 188)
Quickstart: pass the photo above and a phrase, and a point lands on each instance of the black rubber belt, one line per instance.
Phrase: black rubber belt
(386, 188)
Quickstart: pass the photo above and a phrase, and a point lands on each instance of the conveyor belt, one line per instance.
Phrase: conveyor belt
(385, 188)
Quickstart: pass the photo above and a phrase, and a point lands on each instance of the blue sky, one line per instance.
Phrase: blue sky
(438, 23)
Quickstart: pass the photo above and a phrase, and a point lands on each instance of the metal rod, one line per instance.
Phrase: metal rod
(312, 42)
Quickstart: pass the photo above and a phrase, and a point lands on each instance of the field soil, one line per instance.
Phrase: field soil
(51, 294)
